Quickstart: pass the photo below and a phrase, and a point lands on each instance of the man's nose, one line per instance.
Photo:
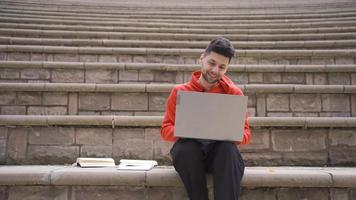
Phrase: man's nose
(215, 69)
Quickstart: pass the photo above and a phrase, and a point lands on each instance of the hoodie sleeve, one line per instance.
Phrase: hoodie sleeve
(167, 129)
(247, 132)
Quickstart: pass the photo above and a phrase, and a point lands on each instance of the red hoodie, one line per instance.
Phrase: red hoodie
(225, 86)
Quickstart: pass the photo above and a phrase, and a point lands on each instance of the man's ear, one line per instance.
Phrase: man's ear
(202, 55)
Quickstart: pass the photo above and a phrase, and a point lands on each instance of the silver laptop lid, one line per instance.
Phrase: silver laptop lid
(210, 116)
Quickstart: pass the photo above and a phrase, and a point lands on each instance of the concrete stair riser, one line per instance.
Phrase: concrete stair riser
(68, 183)
(177, 56)
(165, 19)
(20, 19)
(276, 141)
(102, 73)
(315, 44)
(150, 99)
(266, 37)
(177, 15)
(251, 30)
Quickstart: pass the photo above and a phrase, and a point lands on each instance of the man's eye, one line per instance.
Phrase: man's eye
(211, 63)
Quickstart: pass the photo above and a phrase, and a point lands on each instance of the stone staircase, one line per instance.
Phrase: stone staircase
(86, 79)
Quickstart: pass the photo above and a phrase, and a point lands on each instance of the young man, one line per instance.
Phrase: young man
(193, 158)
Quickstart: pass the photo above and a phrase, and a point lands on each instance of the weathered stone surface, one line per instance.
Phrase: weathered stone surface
(88, 58)
(94, 101)
(145, 75)
(107, 193)
(2, 151)
(96, 151)
(37, 57)
(163, 193)
(94, 136)
(139, 59)
(18, 56)
(129, 101)
(29, 98)
(107, 58)
(261, 105)
(9, 73)
(258, 193)
(296, 78)
(38, 193)
(255, 77)
(38, 154)
(128, 75)
(38, 110)
(157, 101)
(339, 79)
(344, 60)
(66, 57)
(264, 159)
(153, 59)
(73, 103)
(124, 59)
(335, 102)
(309, 80)
(128, 133)
(3, 193)
(353, 77)
(3, 132)
(277, 102)
(173, 59)
(13, 110)
(132, 149)
(320, 79)
(55, 98)
(260, 141)
(68, 76)
(162, 151)
(35, 74)
(101, 76)
(305, 158)
(322, 61)
(279, 114)
(339, 194)
(238, 77)
(51, 135)
(306, 114)
(305, 102)
(272, 78)
(299, 140)
(342, 157)
(167, 77)
(17, 144)
(353, 105)
(342, 138)
(303, 193)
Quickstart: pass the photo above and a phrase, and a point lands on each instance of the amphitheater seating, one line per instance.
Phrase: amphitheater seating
(83, 78)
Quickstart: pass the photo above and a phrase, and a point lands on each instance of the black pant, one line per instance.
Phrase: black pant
(192, 161)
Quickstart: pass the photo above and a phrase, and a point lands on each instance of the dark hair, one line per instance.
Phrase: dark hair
(221, 46)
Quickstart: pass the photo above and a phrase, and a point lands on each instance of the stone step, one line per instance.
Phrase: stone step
(161, 14)
(73, 183)
(308, 44)
(113, 72)
(28, 19)
(270, 100)
(38, 33)
(245, 6)
(221, 31)
(290, 141)
(114, 18)
(174, 55)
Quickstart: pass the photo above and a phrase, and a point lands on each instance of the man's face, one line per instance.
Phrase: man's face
(214, 66)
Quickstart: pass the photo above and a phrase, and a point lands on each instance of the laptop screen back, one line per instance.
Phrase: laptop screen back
(210, 116)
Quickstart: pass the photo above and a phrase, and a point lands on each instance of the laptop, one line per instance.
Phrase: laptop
(210, 116)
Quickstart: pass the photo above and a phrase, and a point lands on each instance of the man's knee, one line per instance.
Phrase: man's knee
(186, 149)
(226, 148)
